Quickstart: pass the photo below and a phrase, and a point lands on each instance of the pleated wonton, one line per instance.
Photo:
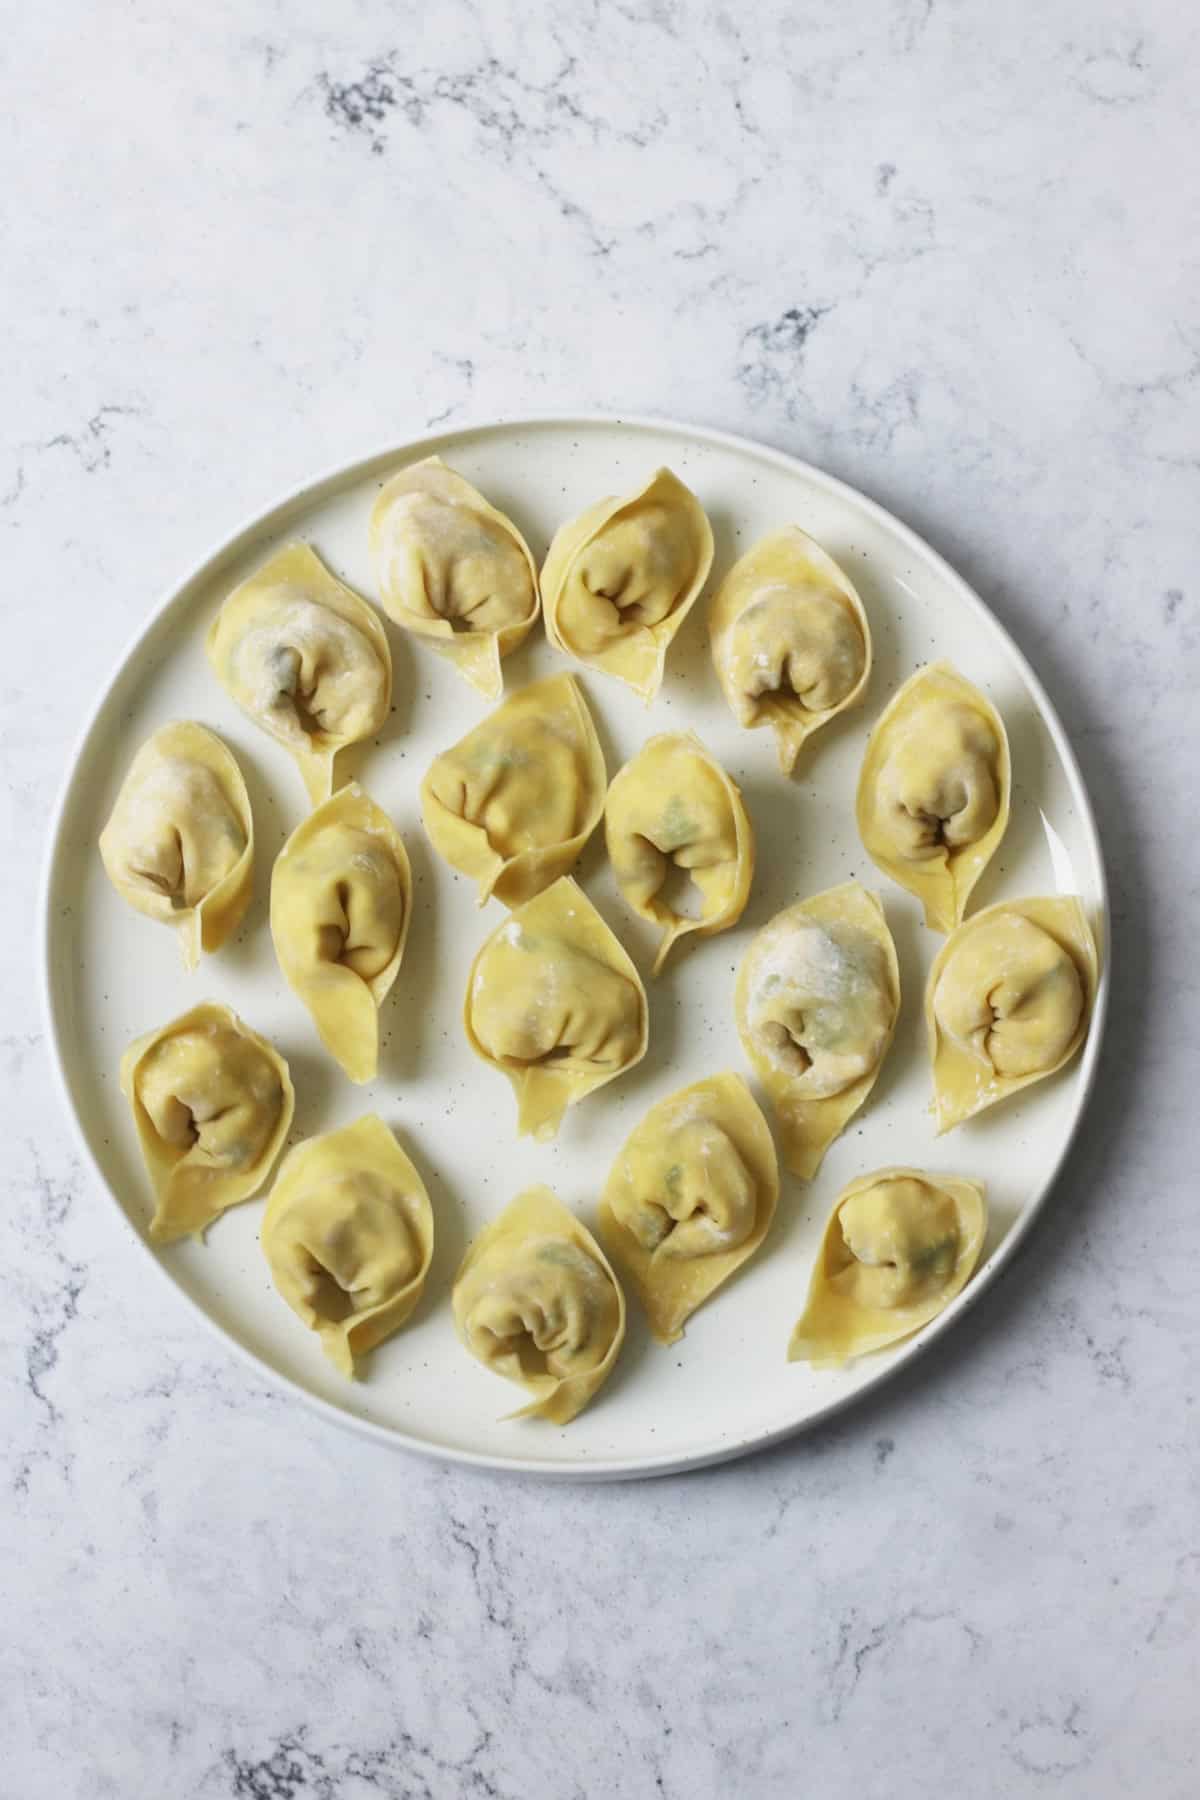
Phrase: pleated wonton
(673, 804)
(790, 639)
(179, 845)
(556, 1003)
(306, 658)
(212, 1103)
(341, 902)
(348, 1237)
(897, 1247)
(619, 580)
(690, 1198)
(1008, 1002)
(818, 994)
(513, 802)
(934, 791)
(453, 570)
(535, 1300)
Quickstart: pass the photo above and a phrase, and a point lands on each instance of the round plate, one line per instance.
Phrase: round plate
(112, 974)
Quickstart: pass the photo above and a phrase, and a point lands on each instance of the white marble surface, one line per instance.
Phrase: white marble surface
(952, 258)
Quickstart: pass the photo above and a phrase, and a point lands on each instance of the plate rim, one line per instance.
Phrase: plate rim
(611, 1468)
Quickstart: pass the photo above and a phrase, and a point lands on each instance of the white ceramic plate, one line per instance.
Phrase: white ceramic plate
(112, 974)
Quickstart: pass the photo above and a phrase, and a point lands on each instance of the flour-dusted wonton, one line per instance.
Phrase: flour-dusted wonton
(348, 1237)
(818, 993)
(453, 570)
(619, 580)
(934, 791)
(536, 1301)
(554, 1001)
(306, 658)
(179, 845)
(1008, 1001)
(790, 639)
(341, 900)
(899, 1245)
(513, 803)
(212, 1102)
(673, 803)
(690, 1197)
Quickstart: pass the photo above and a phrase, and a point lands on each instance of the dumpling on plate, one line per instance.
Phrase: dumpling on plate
(306, 658)
(934, 792)
(690, 1197)
(341, 901)
(674, 805)
(453, 570)
(513, 803)
(212, 1103)
(348, 1237)
(179, 844)
(899, 1245)
(1008, 1001)
(536, 1301)
(555, 1002)
(818, 994)
(790, 640)
(619, 580)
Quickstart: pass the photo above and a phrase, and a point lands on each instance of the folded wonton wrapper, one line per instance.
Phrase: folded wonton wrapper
(179, 845)
(935, 788)
(453, 570)
(306, 658)
(513, 803)
(690, 1197)
(790, 639)
(619, 580)
(1008, 1002)
(535, 1300)
(348, 1237)
(341, 901)
(898, 1246)
(673, 803)
(212, 1103)
(818, 994)
(555, 1002)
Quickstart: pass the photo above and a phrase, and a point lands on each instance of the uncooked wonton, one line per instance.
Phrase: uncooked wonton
(673, 804)
(790, 640)
(179, 845)
(619, 580)
(898, 1246)
(306, 658)
(690, 1197)
(536, 1301)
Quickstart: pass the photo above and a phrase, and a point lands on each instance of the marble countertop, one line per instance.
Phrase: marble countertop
(951, 259)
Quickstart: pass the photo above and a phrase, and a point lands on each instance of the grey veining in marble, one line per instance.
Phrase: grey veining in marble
(949, 251)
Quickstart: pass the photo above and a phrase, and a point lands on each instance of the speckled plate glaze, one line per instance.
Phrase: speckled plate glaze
(110, 974)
